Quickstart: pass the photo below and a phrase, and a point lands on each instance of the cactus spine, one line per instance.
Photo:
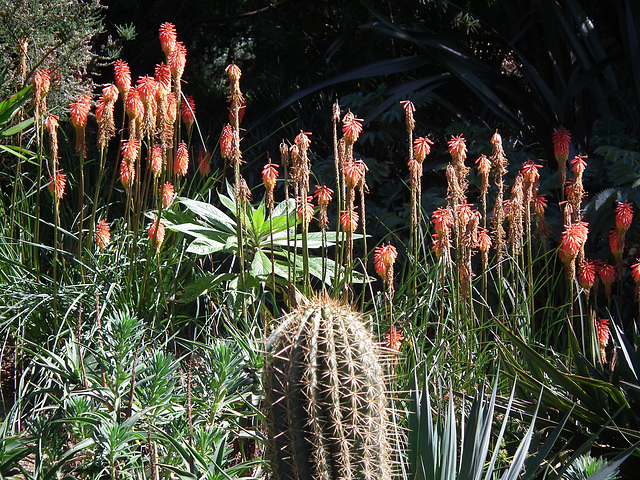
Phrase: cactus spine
(326, 405)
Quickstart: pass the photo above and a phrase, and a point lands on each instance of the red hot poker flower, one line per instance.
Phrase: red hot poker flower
(270, 175)
(188, 111)
(561, 139)
(103, 234)
(530, 172)
(586, 274)
(578, 164)
(624, 217)
(384, 258)
(203, 162)
(394, 339)
(458, 147)
(354, 171)
(603, 332)
(421, 148)
(168, 37)
(484, 164)
(177, 60)
(349, 220)
(323, 194)
(181, 162)
(351, 127)
(226, 142)
(57, 184)
(122, 76)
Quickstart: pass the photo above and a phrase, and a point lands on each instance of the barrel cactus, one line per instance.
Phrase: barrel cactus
(325, 397)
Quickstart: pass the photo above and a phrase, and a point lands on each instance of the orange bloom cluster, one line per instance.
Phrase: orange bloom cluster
(607, 274)
(458, 147)
(122, 76)
(421, 148)
(635, 274)
(156, 161)
(349, 220)
(166, 193)
(103, 234)
(269, 177)
(226, 142)
(156, 234)
(586, 274)
(203, 161)
(573, 238)
(384, 258)
(561, 139)
(602, 327)
(351, 127)
(394, 339)
(181, 162)
(323, 194)
(354, 172)
(578, 164)
(188, 111)
(57, 184)
(307, 213)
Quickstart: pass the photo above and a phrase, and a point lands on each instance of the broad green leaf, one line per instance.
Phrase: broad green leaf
(209, 213)
(17, 128)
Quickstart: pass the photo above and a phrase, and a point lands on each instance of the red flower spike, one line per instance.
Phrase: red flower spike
(270, 175)
(530, 172)
(166, 193)
(349, 220)
(351, 127)
(203, 162)
(384, 258)
(484, 164)
(578, 164)
(130, 149)
(57, 184)
(168, 37)
(234, 72)
(122, 76)
(226, 142)
(308, 205)
(586, 274)
(103, 234)
(177, 60)
(624, 216)
(156, 161)
(188, 111)
(458, 147)
(561, 139)
(602, 327)
(181, 162)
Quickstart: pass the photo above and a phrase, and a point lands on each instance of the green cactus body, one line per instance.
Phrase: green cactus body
(325, 397)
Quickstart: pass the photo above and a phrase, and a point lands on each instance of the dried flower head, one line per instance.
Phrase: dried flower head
(409, 110)
(103, 234)
(530, 172)
(442, 219)
(181, 161)
(234, 72)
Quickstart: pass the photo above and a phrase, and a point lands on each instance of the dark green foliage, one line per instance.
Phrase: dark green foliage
(325, 397)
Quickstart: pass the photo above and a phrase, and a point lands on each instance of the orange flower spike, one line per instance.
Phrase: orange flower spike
(177, 60)
(166, 193)
(561, 139)
(323, 194)
(351, 127)
(353, 172)
(156, 161)
(421, 148)
(41, 82)
(270, 175)
(603, 332)
(241, 111)
(573, 238)
(530, 172)
(57, 184)
(51, 124)
(171, 108)
(539, 204)
(349, 220)
(203, 162)
(408, 106)
(103, 234)
(442, 220)
(79, 111)
(308, 205)
(133, 104)
(226, 142)
(168, 37)
(483, 239)
(181, 162)
(110, 93)
(384, 258)
(122, 76)
(394, 339)
(458, 147)
(147, 88)
(578, 164)
(162, 75)
(586, 274)
(127, 175)
(624, 217)
(130, 149)
(188, 111)
(156, 234)
(484, 164)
